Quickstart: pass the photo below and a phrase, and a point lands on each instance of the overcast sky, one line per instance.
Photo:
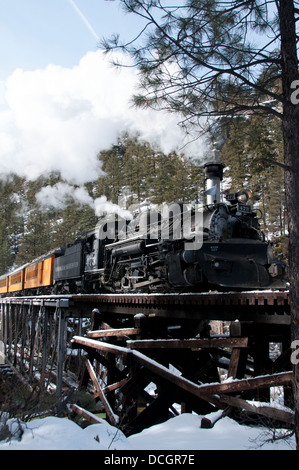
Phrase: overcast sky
(61, 101)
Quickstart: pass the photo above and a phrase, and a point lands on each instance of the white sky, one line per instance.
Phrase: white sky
(61, 102)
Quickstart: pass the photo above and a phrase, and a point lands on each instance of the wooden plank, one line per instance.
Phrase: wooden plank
(90, 417)
(202, 391)
(211, 419)
(273, 413)
(113, 332)
(92, 374)
(241, 385)
(105, 326)
(99, 393)
(233, 363)
(189, 343)
(99, 345)
(115, 386)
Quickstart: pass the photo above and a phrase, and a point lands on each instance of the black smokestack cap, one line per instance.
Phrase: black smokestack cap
(214, 170)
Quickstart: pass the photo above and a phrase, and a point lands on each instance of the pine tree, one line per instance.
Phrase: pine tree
(235, 155)
(11, 222)
(36, 240)
(112, 164)
(252, 143)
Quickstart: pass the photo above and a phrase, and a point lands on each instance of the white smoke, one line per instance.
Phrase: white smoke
(58, 119)
(59, 195)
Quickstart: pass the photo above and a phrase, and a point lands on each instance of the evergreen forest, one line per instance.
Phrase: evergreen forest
(251, 151)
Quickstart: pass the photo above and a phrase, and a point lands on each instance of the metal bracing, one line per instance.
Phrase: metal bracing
(34, 334)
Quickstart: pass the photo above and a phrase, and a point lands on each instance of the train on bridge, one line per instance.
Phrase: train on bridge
(219, 246)
(123, 336)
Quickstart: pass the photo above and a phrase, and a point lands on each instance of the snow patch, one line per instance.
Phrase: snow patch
(182, 432)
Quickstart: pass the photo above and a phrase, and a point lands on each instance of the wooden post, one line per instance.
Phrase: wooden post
(287, 391)
(60, 346)
(32, 339)
(99, 393)
(17, 330)
(44, 351)
(96, 319)
(261, 360)
(79, 351)
(141, 323)
(5, 328)
(237, 364)
(24, 337)
(9, 352)
(2, 346)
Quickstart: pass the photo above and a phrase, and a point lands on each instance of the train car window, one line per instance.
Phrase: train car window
(16, 278)
(31, 272)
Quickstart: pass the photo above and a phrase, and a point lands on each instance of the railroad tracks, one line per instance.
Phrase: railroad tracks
(235, 305)
(257, 306)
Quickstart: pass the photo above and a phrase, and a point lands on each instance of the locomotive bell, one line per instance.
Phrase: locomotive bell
(214, 175)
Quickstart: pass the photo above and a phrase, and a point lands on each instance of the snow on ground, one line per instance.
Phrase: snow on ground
(182, 432)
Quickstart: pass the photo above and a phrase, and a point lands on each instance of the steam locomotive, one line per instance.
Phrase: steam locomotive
(181, 249)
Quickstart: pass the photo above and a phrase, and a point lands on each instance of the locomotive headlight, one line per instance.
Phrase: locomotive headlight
(243, 196)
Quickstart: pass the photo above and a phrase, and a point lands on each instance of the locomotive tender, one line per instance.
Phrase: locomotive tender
(219, 246)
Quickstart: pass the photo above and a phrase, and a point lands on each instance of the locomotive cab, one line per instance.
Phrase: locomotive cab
(92, 252)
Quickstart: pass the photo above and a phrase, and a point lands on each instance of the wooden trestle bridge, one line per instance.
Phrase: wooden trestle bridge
(146, 357)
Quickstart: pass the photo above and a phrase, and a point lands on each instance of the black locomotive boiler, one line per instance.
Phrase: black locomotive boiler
(219, 246)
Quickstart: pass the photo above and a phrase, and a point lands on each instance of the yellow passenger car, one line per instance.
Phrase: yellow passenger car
(39, 273)
(16, 281)
(4, 284)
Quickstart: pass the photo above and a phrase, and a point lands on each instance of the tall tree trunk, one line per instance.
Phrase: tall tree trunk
(291, 151)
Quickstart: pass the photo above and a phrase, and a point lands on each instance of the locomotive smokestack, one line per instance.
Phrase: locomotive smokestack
(214, 175)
